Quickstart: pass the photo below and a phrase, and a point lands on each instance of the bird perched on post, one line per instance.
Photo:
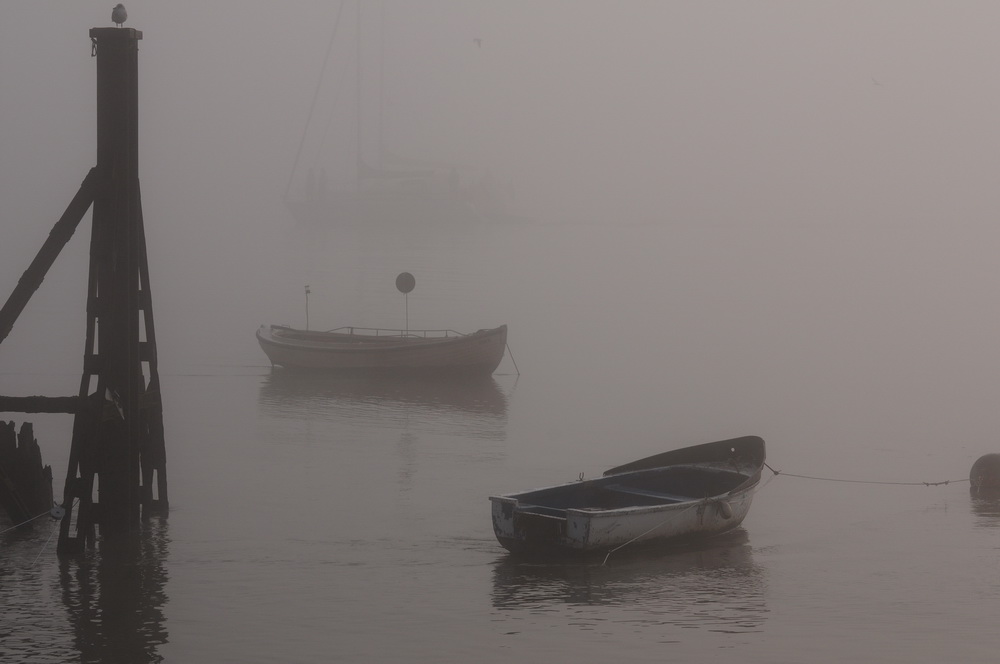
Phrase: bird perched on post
(118, 14)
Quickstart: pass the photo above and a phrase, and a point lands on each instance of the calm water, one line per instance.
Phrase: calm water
(318, 520)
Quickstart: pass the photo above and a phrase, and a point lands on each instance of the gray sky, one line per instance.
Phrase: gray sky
(778, 110)
(851, 145)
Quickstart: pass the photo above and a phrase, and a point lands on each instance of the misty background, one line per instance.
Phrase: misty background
(777, 217)
(729, 218)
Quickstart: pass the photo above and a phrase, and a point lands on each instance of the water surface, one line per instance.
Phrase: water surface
(317, 519)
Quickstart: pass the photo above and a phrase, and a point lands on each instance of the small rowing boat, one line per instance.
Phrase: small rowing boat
(688, 493)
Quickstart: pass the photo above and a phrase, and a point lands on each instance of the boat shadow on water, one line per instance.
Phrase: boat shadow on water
(475, 405)
(713, 583)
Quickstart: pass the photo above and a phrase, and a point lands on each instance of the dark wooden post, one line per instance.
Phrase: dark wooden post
(118, 433)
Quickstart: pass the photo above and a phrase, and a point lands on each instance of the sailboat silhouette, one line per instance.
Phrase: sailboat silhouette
(385, 188)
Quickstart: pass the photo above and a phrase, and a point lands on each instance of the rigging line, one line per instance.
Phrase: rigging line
(312, 107)
(834, 479)
(334, 101)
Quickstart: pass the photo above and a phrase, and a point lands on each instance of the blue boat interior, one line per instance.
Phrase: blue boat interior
(662, 486)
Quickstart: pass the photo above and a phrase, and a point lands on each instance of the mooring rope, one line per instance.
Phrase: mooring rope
(57, 512)
(659, 525)
(512, 360)
(834, 479)
(53, 532)
(761, 487)
(24, 522)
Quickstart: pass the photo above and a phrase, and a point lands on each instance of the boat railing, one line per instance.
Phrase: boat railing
(385, 332)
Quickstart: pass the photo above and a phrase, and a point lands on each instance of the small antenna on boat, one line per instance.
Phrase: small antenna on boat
(307, 306)
(404, 284)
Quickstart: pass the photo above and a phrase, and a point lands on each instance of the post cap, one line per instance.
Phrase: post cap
(116, 34)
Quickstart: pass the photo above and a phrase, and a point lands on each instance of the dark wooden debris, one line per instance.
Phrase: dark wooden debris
(25, 484)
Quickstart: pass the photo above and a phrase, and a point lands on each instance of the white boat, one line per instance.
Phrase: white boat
(689, 493)
(369, 350)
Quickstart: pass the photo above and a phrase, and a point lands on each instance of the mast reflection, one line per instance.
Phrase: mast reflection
(115, 596)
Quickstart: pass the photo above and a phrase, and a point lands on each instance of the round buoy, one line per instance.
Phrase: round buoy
(405, 282)
(984, 478)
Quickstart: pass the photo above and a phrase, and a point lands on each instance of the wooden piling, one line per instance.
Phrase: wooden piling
(118, 436)
(118, 444)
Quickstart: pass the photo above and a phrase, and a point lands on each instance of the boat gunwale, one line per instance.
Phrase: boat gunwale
(743, 488)
(606, 481)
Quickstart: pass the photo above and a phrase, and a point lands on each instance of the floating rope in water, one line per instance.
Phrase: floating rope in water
(834, 479)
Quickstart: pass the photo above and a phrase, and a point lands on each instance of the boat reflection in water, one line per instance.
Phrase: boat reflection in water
(471, 406)
(115, 597)
(714, 584)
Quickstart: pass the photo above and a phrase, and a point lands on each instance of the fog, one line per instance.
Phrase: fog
(821, 176)
(725, 219)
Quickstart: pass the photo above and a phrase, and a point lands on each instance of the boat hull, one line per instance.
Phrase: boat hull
(584, 531)
(478, 353)
(656, 505)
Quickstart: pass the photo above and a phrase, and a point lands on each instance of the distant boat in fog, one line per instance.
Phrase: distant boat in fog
(375, 351)
(376, 186)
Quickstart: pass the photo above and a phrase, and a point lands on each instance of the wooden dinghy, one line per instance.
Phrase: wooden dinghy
(689, 493)
(368, 350)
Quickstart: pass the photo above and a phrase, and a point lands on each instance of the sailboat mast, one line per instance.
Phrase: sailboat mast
(312, 105)
(381, 85)
(357, 96)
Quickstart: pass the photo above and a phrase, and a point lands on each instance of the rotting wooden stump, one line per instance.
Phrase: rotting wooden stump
(25, 484)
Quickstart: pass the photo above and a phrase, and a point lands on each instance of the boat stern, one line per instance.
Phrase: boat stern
(522, 528)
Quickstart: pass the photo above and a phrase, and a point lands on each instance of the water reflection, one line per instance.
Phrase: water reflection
(468, 406)
(985, 507)
(715, 585)
(115, 597)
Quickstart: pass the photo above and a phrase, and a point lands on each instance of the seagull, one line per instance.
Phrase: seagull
(118, 14)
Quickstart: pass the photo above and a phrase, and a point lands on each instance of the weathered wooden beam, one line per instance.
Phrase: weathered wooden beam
(58, 237)
(38, 404)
